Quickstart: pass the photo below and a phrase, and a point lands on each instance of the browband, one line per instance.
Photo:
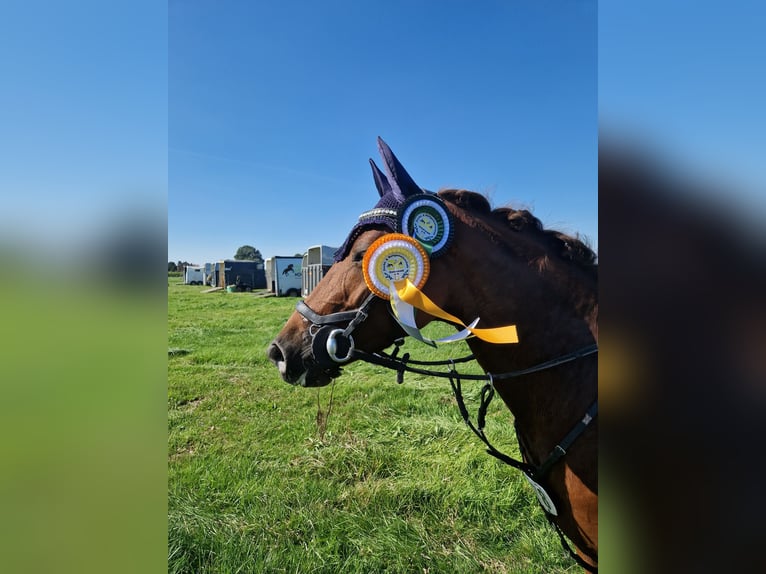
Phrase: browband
(378, 212)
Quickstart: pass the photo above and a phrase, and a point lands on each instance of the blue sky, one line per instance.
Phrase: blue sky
(252, 122)
(274, 109)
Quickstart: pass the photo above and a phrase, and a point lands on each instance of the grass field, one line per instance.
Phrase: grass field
(395, 483)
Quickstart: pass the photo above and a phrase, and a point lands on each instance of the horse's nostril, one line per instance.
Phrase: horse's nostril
(275, 354)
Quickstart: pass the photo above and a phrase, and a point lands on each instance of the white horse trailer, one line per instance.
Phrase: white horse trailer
(283, 275)
(194, 275)
(316, 261)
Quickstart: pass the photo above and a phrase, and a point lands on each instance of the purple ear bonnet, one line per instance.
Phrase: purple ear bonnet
(393, 191)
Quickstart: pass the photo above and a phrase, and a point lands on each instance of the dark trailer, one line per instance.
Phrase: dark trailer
(241, 274)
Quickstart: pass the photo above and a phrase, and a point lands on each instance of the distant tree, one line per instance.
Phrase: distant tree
(248, 252)
(298, 255)
(172, 266)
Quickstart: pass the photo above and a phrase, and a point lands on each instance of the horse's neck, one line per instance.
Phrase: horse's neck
(546, 405)
(551, 322)
(555, 312)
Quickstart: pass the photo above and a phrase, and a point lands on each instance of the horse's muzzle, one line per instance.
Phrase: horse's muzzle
(295, 371)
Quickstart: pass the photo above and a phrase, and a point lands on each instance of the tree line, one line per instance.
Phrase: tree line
(244, 253)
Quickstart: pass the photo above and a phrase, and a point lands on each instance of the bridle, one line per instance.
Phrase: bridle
(335, 339)
(331, 345)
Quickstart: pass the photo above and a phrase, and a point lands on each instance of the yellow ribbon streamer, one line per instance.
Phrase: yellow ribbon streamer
(409, 293)
(405, 316)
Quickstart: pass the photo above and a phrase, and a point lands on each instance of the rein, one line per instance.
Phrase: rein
(535, 474)
(487, 394)
(403, 365)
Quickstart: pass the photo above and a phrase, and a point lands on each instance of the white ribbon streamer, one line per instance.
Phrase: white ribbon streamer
(405, 316)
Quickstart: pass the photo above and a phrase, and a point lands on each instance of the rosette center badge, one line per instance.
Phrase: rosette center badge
(396, 267)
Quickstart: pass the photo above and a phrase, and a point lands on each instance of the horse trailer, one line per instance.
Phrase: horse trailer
(316, 261)
(194, 275)
(283, 275)
(243, 275)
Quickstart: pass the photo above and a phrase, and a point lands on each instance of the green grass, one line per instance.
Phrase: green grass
(395, 483)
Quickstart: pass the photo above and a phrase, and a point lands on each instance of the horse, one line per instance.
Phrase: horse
(502, 266)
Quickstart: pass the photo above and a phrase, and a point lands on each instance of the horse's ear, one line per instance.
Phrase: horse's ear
(403, 184)
(381, 181)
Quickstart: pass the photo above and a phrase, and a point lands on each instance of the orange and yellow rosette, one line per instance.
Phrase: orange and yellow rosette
(396, 267)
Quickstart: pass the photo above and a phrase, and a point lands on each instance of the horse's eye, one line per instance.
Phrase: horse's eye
(358, 255)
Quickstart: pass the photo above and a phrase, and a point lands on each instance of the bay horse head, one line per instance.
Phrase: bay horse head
(472, 266)
(299, 350)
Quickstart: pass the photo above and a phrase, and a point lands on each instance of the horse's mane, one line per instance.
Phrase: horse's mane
(520, 220)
